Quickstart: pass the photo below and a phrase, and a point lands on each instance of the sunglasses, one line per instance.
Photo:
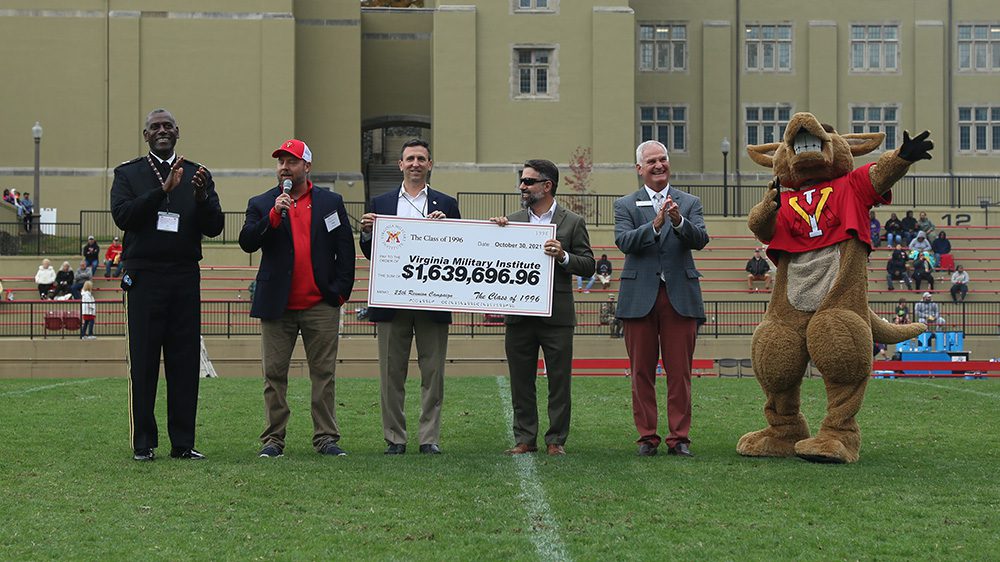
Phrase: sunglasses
(532, 181)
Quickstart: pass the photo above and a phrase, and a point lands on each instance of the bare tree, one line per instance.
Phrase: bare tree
(581, 165)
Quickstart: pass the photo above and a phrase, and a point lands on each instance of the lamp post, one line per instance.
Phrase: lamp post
(36, 133)
(725, 176)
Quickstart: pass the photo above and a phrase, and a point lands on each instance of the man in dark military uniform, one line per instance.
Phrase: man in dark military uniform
(165, 205)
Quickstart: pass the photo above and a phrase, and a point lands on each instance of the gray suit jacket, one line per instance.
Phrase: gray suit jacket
(646, 255)
(571, 232)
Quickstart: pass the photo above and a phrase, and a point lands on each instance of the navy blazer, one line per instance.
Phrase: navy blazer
(332, 252)
(385, 204)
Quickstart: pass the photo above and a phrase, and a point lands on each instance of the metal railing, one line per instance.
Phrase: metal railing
(732, 200)
(229, 318)
(51, 238)
(69, 237)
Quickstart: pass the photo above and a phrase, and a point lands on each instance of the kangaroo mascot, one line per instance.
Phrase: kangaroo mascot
(814, 218)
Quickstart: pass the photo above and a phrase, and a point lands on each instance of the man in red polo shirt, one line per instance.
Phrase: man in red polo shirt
(306, 274)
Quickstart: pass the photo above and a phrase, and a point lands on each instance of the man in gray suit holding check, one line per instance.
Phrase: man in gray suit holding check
(659, 299)
(554, 335)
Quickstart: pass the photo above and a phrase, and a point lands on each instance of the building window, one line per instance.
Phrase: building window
(766, 123)
(979, 129)
(876, 119)
(769, 48)
(534, 72)
(665, 123)
(663, 47)
(535, 5)
(979, 47)
(874, 48)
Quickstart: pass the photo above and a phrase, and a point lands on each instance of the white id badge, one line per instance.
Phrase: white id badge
(643, 203)
(332, 221)
(168, 222)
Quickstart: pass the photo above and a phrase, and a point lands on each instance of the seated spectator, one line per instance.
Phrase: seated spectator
(959, 284)
(920, 243)
(928, 312)
(113, 257)
(909, 227)
(925, 224)
(940, 246)
(608, 310)
(602, 273)
(45, 279)
(92, 253)
(896, 268)
(876, 229)
(64, 280)
(902, 315)
(923, 270)
(893, 231)
(7, 197)
(758, 269)
(80, 277)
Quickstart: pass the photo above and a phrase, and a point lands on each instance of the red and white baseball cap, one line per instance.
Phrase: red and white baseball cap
(296, 148)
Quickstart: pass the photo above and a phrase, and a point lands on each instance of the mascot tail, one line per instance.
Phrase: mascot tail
(884, 332)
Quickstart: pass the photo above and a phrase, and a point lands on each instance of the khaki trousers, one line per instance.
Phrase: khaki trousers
(394, 340)
(319, 326)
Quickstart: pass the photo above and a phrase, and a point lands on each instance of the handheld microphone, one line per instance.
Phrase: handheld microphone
(286, 188)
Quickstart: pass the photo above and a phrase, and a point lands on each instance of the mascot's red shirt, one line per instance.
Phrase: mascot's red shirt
(825, 214)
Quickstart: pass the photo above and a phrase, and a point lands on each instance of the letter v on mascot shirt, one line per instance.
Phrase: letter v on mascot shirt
(824, 214)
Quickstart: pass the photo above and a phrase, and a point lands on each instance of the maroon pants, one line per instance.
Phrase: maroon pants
(661, 332)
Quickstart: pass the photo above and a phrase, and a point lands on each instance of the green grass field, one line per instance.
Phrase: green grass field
(927, 486)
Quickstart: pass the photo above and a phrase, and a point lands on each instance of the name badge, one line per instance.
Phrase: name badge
(643, 203)
(332, 221)
(168, 222)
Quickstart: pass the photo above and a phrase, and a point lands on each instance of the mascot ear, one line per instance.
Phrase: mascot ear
(863, 143)
(763, 154)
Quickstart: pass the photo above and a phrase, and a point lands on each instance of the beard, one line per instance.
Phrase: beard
(529, 200)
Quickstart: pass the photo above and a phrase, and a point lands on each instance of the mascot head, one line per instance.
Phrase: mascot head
(812, 152)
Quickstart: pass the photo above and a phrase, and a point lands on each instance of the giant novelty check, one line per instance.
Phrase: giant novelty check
(461, 265)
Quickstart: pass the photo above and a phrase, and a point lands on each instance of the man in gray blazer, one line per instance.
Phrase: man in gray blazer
(554, 335)
(659, 299)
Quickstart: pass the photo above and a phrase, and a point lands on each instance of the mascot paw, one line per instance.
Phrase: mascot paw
(770, 442)
(825, 450)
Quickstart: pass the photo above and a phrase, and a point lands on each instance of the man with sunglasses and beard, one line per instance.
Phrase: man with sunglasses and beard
(525, 335)
(165, 205)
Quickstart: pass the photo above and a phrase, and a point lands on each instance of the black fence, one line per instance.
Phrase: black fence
(229, 318)
(730, 200)
(50, 238)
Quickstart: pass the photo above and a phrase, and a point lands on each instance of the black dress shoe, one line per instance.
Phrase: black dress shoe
(188, 454)
(430, 449)
(143, 455)
(681, 450)
(395, 449)
(647, 450)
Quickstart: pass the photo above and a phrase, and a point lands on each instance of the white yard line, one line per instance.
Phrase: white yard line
(44, 387)
(925, 383)
(544, 530)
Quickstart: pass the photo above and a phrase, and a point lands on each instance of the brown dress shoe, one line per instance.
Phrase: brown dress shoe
(556, 450)
(521, 448)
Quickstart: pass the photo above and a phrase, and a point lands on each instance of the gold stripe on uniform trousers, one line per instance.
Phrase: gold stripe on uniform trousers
(128, 377)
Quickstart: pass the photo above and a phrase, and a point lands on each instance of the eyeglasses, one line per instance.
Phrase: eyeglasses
(532, 181)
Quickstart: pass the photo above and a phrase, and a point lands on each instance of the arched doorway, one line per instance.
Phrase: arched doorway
(381, 139)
